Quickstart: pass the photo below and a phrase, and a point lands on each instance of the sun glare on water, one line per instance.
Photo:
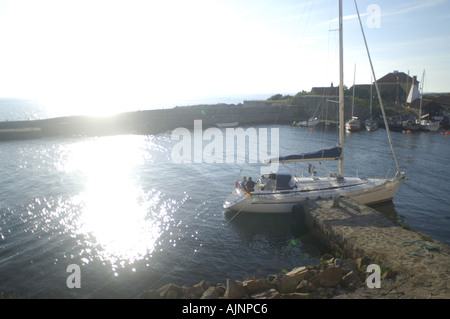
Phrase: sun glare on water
(116, 217)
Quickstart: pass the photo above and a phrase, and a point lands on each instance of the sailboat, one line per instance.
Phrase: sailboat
(429, 126)
(353, 125)
(310, 123)
(370, 123)
(425, 125)
(283, 191)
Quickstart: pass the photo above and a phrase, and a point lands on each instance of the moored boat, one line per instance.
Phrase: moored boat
(283, 191)
(429, 126)
(353, 125)
(310, 123)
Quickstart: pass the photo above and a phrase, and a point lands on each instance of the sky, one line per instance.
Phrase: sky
(138, 50)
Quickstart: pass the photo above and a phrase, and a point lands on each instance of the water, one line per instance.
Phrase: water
(118, 207)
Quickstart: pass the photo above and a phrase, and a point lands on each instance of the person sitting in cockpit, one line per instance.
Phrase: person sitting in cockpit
(250, 184)
(271, 184)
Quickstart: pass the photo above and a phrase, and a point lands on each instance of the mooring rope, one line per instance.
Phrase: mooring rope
(423, 244)
(234, 216)
(428, 195)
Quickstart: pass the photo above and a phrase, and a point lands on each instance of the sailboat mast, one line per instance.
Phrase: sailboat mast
(341, 93)
(371, 94)
(353, 98)
(421, 95)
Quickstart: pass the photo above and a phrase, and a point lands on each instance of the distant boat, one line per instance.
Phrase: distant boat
(430, 126)
(230, 124)
(424, 125)
(310, 123)
(410, 125)
(354, 124)
(370, 124)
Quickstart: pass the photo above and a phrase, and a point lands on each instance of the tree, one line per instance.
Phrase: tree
(276, 97)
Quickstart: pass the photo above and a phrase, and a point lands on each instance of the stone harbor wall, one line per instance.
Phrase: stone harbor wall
(377, 259)
(156, 121)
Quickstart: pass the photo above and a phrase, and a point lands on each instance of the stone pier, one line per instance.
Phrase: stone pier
(413, 265)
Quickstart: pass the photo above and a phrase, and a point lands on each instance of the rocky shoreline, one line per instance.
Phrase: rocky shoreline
(332, 278)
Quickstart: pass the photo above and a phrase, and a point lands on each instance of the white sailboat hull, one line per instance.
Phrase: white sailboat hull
(310, 123)
(365, 191)
(429, 126)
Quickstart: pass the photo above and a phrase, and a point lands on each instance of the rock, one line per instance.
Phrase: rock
(271, 278)
(235, 290)
(311, 274)
(326, 257)
(351, 281)
(349, 265)
(305, 286)
(362, 263)
(213, 292)
(172, 294)
(330, 277)
(299, 273)
(322, 293)
(286, 284)
(170, 291)
(388, 274)
(257, 285)
(150, 294)
(267, 294)
(196, 291)
(296, 295)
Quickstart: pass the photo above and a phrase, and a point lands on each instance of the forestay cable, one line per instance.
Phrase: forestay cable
(378, 92)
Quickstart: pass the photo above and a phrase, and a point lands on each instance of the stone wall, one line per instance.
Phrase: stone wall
(155, 121)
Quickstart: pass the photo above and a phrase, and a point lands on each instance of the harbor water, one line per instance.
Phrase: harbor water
(131, 218)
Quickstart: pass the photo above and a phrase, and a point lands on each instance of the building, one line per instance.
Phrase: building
(395, 86)
(326, 91)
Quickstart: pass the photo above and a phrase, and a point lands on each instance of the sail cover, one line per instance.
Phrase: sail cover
(323, 155)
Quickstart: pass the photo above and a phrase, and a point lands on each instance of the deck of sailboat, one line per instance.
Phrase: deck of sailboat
(366, 191)
(320, 186)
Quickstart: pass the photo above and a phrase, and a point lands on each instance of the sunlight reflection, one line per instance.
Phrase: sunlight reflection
(116, 213)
